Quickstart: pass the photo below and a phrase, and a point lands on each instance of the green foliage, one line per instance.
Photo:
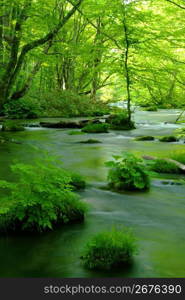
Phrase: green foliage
(41, 198)
(178, 155)
(96, 128)
(145, 138)
(12, 126)
(110, 249)
(128, 173)
(75, 132)
(70, 104)
(168, 139)
(26, 108)
(90, 141)
(120, 121)
(164, 166)
(180, 132)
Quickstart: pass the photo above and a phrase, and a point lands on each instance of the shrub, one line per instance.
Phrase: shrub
(145, 138)
(96, 128)
(40, 199)
(120, 121)
(168, 139)
(26, 108)
(164, 166)
(128, 173)
(12, 126)
(109, 250)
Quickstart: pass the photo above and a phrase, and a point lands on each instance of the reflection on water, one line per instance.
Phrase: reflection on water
(157, 217)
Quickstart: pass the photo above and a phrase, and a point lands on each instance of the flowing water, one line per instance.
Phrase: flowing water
(157, 217)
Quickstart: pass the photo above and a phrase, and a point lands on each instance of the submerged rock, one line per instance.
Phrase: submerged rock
(90, 141)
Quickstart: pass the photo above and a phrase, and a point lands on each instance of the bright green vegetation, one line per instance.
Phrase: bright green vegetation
(168, 139)
(74, 132)
(110, 249)
(12, 126)
(180, 132)
(145, 138)
(120, 121)
(164, 166)
(90, 141)
(96, 128)
(40, 198)
(178, 156)
(127, 172)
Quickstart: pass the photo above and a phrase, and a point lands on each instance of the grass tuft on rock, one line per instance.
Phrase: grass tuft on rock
(145, 138)
(168, 139)
(110, 249)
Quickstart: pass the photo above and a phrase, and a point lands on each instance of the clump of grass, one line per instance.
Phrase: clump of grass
(96, 128)
(110, 249)
(164, 166)
(120, 121)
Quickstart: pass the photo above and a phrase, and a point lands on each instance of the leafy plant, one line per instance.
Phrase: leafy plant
(127, 172)
(10, 125)
(41, 198)
(110, 249)
(96, 128)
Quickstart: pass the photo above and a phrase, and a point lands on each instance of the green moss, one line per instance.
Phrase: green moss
(73, 132)
(145, 138)
(90, 141)
(164, 166)
(96, 128)
(128, 172)
(12, 126)
(110, 249)
(168, 139)
(178, 155)
(120, 121)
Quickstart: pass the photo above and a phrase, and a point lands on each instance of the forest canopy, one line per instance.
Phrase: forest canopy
(86, 49)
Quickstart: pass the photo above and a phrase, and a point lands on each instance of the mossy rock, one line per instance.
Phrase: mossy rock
(12, 126)
(96, 128)
(120, 122)
(145, 138)
(90, 141)
(169, 139)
